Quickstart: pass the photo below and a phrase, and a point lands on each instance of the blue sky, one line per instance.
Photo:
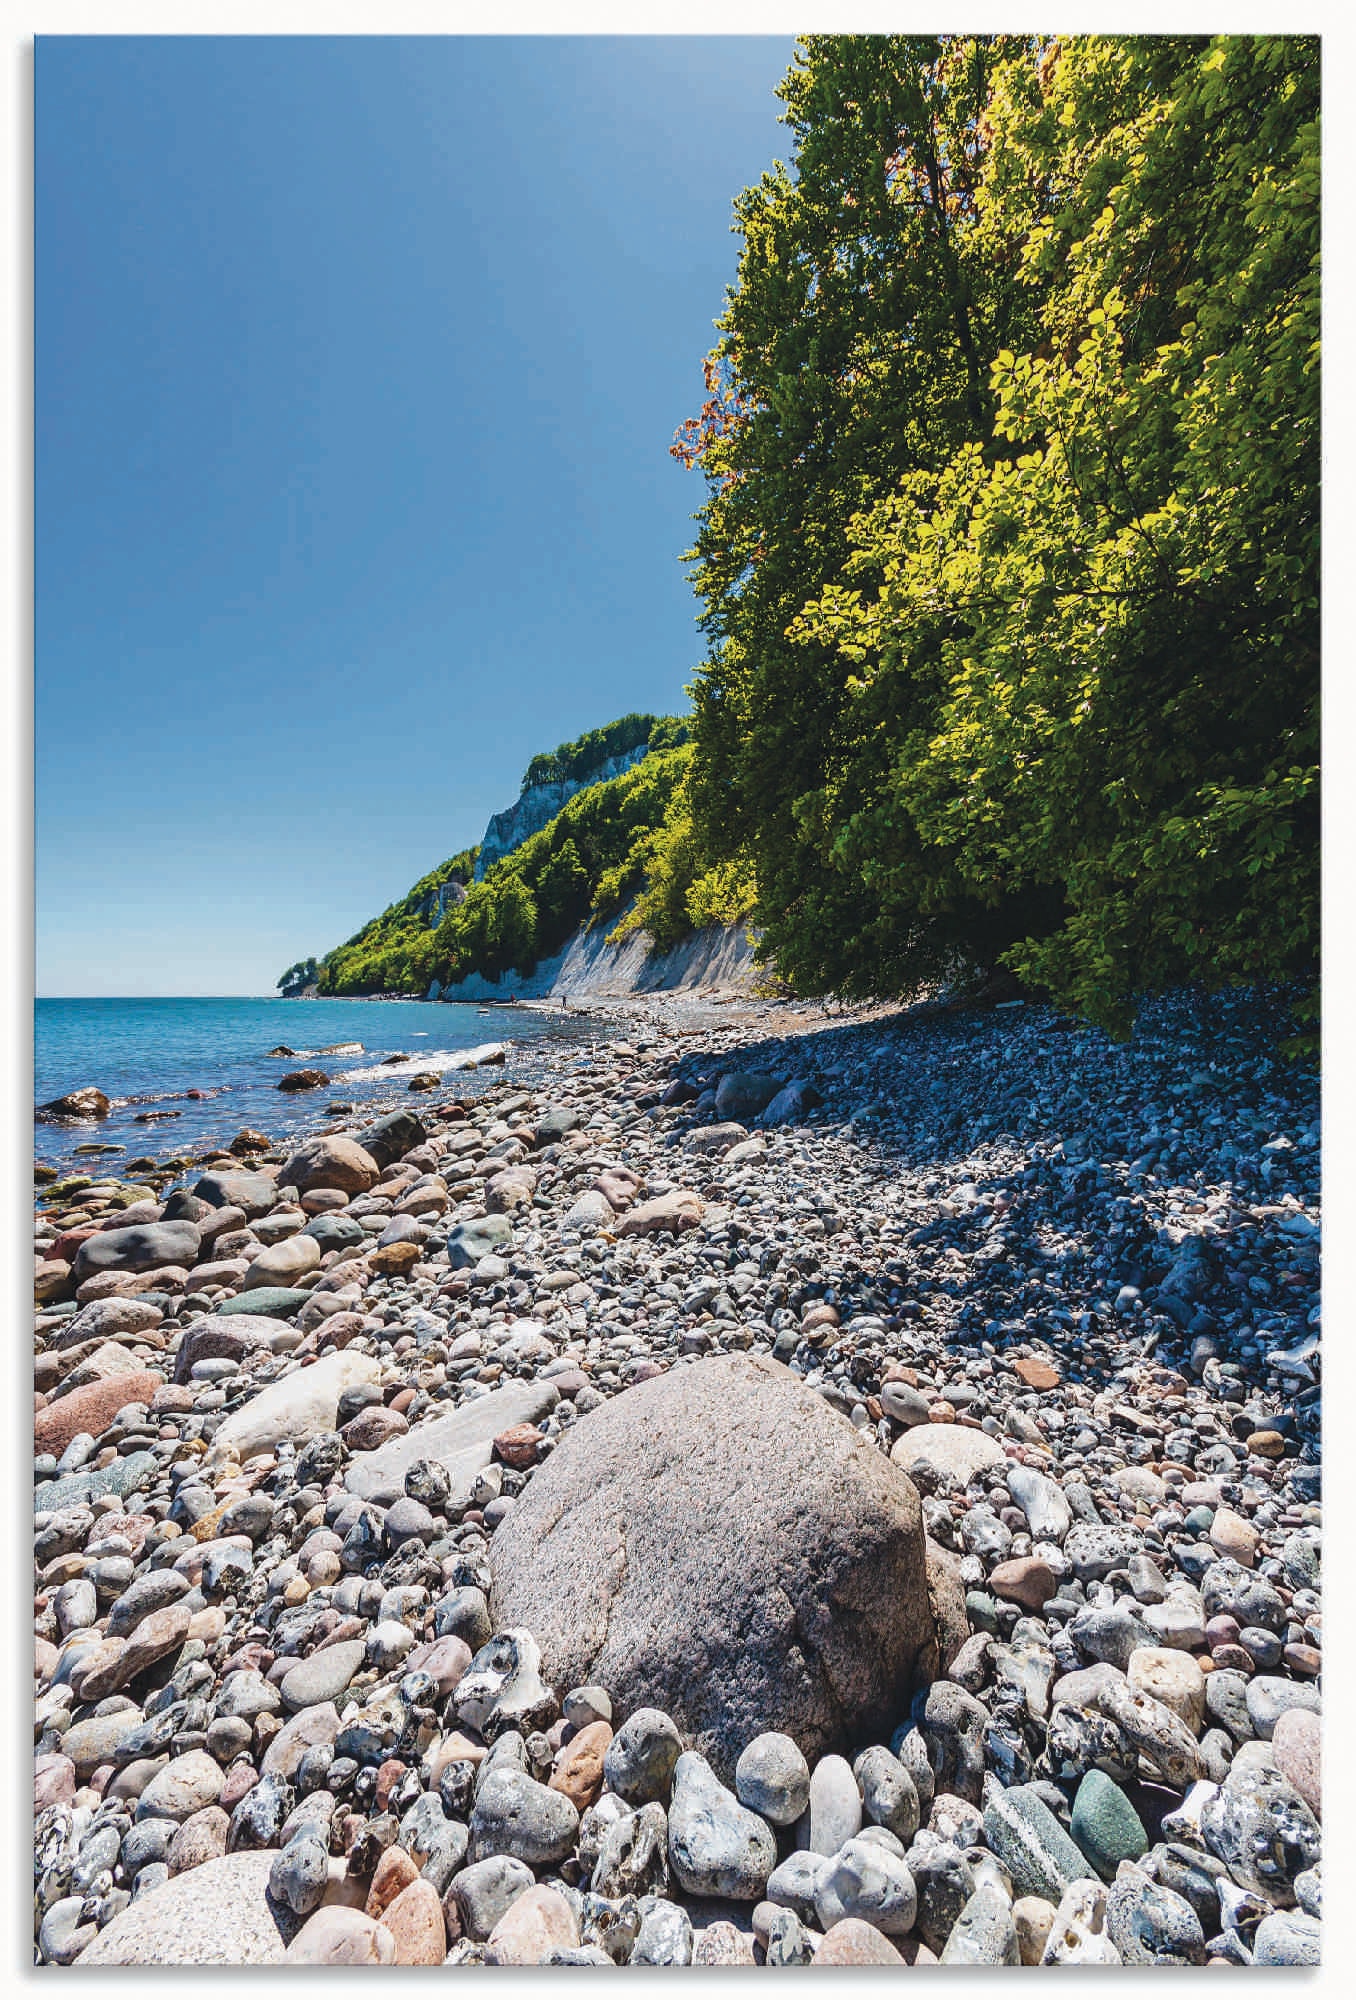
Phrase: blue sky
(357, 365)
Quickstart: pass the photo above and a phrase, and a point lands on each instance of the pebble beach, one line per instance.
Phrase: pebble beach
(737, 1484)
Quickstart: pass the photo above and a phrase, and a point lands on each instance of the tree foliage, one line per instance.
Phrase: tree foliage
(588, 753)
(1009, 553)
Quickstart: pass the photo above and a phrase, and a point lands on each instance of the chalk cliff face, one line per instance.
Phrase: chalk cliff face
(719, 959)
(538, 805)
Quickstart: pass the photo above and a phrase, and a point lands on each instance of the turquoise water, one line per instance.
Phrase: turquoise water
(146, 1055)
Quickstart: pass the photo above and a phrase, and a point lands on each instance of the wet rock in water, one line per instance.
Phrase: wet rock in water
(716, 1846)
(303, 1079)
(615, 1557)
(82, 1104)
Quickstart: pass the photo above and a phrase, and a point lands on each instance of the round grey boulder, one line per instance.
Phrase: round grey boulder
(719, 1543)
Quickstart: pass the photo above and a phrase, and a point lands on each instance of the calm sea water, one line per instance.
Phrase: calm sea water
(147, 1054)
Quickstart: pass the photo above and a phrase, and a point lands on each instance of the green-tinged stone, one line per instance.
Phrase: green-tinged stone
(1106, 1826)
(981, 1610)
(1030, 1842)
(268, 1302)
(77, 1489)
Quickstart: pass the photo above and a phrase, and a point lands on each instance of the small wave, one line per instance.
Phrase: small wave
(444, 1059)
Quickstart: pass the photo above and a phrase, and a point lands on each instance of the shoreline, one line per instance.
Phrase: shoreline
(1063, 1316)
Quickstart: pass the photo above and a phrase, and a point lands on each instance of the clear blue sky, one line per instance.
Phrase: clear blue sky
(357, 365)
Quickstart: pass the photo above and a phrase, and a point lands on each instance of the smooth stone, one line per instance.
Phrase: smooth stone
(1030, 1842)
(331, 1160)
(337, 1934)
(633, 1514)
(414, 1919)
(853, 1942)
(298, 1406)
(1297, 1740)
(863, 1879)
(1033, 1919)
(772, 1778)
(482, 1892)
(185, 1786)
(516, 1816)
(535, 1923)
(835, 1806)
(952, 1448)
(889, 1795)
(717, 1847)
(278, 1302)
(323, 1675)
(1170, 1677)
(984, 1933)
(1047, 1511)
(462, 1443)
(1271, 1696)
(282, 1264)
(1105, 1825)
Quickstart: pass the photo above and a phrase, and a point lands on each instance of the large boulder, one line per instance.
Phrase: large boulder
(218, 1914)
(744, 1093)
(720, 1544)
(146, 1246)
(335, 1161)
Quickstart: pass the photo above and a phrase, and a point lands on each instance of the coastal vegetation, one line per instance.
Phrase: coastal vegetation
(1008, 558)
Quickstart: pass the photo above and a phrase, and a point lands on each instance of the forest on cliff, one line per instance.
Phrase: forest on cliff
(1008, 557)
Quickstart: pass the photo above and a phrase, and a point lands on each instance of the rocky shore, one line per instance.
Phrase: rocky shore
(762, 1487)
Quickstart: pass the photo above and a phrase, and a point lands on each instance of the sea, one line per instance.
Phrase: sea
(207, 1063)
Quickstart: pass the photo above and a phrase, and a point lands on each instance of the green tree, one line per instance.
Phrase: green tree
(1123, 598)
(855, 348)
(1009, 557)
